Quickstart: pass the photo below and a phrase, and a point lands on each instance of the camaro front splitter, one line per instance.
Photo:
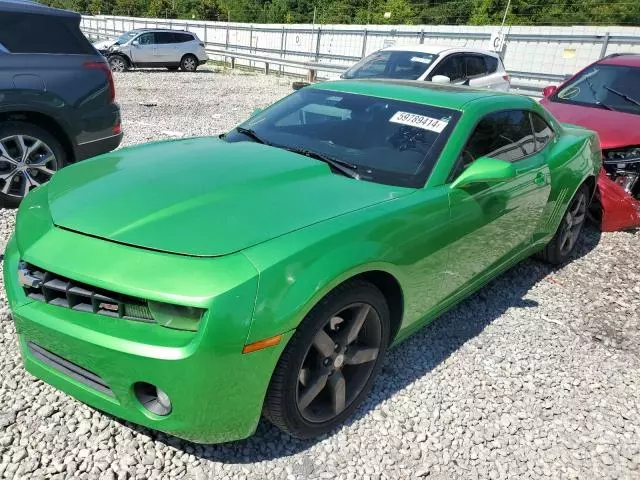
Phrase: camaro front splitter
(619, 210)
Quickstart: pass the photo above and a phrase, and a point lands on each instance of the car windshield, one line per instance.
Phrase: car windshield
(125, 37)
(381, 140)
(611, 87)
(392, 64)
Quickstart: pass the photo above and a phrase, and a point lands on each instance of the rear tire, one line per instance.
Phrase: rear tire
(566, 237)
(29, 156)
(189, 63)
(330, 363)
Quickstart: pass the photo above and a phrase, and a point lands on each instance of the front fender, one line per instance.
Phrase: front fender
(289, 288)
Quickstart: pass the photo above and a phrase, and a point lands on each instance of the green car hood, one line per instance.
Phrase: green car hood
(203, 196)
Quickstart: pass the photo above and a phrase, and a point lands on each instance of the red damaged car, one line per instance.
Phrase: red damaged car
(605, 97)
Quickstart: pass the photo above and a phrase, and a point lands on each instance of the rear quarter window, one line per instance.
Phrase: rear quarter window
(492, 63)
(28, 33)
(182, 37)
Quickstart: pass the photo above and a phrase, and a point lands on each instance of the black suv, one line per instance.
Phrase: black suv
(57, 98)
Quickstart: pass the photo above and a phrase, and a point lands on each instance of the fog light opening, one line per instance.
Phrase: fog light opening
(152, 398)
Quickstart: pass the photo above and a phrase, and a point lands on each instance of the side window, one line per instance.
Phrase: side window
(476, 66)
(502, 135)
(164, 37)
(2, 49)
(541, 130)
(146, 39)
(183, 37)
(492, 63)
(452, 67)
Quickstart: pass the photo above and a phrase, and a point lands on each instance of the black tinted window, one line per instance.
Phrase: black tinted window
(542, 131)
(165, 37)
(501, 135)
(21, 33)
(182, 37)
(475, 65)
(452, 67)
(389, 141)
(492, 63)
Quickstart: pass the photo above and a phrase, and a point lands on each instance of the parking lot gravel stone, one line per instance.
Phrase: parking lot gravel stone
(537, 375)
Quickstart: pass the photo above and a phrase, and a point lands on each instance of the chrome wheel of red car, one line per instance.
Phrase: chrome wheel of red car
(339, 362)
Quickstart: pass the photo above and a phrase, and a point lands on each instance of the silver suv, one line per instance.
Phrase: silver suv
(172, 49)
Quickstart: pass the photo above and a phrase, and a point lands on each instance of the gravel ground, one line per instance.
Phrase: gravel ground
(537, 375)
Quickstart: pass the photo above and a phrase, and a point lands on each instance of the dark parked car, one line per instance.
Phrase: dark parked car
(57, 98)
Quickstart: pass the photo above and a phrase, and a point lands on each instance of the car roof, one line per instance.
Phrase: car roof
(166, 30)
(427, 93)
(624, 59)
(28, 7)
(436, 49)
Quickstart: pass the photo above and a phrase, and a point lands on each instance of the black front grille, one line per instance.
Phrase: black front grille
(70, 369)
(57, 290)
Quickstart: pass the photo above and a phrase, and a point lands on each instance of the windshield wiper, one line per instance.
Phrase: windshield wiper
(623, 95)
(345, 168)
(595, 95)
(251, 134)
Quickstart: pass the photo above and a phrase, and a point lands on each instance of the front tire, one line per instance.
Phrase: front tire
(189, 63)
(330, 363)
(118, 63)
(564, 241)
(29, 156)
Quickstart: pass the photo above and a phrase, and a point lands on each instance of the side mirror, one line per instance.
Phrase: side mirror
(299, 85)
(256, 111)
(548, 91)
(135, 43)
(485, 170)
(441, 79)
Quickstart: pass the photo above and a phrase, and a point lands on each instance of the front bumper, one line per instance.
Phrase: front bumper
(216, 391)
(619, 210)
(98, 147)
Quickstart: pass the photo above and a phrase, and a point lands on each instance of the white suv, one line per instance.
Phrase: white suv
(172, 49)
(455, 65)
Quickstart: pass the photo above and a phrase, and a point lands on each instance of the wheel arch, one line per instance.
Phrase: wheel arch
(590, 182)
(125, 57)
(189, 54)
(390, 288)
(44, 121)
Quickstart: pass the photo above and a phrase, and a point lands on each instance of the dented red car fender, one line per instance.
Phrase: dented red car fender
(620, 211)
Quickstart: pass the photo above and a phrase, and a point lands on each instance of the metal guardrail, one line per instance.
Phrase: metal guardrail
(314, 67)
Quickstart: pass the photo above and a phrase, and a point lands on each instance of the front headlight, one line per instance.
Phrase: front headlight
(176, 316)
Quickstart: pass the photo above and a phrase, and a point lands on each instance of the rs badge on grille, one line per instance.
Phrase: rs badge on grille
(112, 307)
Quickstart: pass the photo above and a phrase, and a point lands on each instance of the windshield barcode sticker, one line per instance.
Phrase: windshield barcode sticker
(421, 60)
(419, 121)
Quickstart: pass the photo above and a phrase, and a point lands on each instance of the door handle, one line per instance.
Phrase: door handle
(541, 179)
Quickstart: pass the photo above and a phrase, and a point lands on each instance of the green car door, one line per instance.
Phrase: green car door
(493, 221)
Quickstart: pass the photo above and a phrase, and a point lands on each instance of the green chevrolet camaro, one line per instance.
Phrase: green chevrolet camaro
(192, 285)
